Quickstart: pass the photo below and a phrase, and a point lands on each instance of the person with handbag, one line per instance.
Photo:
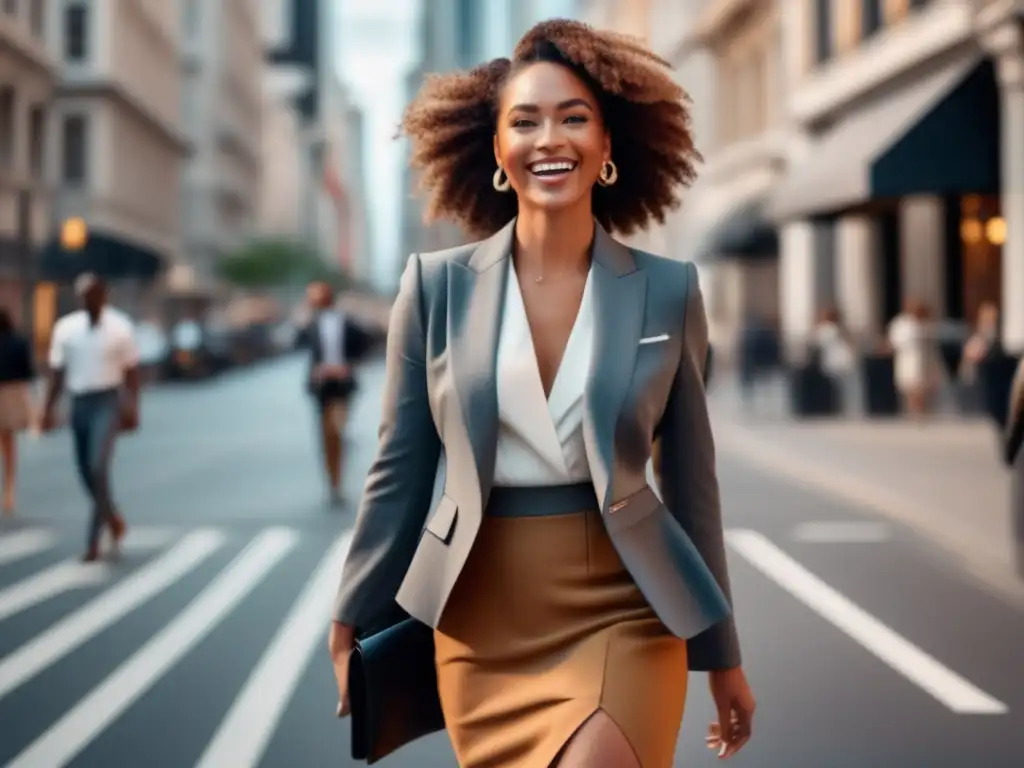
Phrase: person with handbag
(557, 606)
(94, 355)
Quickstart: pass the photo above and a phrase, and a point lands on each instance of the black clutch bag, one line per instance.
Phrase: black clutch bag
(392, 683)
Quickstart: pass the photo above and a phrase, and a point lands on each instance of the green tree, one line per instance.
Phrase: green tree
(274, 262)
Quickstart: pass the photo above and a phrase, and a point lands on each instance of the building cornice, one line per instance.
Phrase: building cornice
(111, 89)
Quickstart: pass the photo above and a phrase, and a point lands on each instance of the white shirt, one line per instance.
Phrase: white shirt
(541, 442)
(330, 328)
(93, 358)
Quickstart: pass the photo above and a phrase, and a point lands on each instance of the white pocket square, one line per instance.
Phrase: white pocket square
(654, 339)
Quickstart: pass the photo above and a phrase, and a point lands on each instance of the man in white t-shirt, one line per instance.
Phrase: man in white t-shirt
(94, 355)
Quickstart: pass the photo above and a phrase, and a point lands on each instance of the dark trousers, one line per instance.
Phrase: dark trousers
(94, 426)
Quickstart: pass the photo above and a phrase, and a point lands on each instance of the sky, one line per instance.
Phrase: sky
(377, 46)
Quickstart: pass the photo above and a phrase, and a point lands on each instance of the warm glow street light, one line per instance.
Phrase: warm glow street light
(74, 234)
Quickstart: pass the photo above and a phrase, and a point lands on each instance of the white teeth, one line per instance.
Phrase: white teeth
(551, 167)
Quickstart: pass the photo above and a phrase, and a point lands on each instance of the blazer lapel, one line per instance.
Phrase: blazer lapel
(476, 301)
(620, 293)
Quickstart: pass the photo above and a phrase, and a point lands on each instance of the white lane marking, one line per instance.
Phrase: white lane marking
(98, 614)
(851, 532)
(145, 538)
(252, 720)
(923, 670)
(55, 580)
(59, 745)
(20, 544)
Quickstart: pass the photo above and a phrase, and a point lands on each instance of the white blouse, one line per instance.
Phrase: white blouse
(541, 442)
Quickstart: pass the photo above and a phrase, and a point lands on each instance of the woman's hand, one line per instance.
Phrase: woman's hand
(735, 705)
(340, 641)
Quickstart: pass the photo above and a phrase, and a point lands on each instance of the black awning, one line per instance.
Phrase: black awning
(938, 135)
(952, 150)
(743, 233)
(105, 254)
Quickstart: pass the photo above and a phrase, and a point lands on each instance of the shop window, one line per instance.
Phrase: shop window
(982, 234)
(871, 20)
(822, 31)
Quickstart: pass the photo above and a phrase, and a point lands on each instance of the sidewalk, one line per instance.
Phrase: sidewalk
(944, 479)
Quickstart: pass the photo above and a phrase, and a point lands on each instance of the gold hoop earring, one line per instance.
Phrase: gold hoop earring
(609, 174)
(498, 183)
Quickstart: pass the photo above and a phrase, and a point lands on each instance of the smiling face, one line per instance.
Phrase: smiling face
(550, 137)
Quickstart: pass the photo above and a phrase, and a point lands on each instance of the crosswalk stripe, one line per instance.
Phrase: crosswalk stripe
(21, 544)
(945, 685)
(55, 580)
(249, 725)
(59, 745)
(106, 609)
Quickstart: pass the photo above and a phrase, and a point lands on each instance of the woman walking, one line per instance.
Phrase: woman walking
(16, 374)
(569, 604)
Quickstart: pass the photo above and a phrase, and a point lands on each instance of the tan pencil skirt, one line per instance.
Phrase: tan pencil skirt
(544, 628)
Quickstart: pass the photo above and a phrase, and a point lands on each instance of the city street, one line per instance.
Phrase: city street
(205, 645)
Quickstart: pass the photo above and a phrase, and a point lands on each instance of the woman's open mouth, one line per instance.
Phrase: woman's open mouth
(551, 171)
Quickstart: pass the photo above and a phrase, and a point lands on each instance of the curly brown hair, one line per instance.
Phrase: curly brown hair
(451, 125)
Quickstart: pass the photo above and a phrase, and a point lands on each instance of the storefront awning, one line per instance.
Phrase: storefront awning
(743, 233)
(936, 135)
(106, 254)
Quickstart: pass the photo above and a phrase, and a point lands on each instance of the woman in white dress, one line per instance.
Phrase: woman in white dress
(916, 358)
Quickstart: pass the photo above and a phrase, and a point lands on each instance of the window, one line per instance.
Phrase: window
(870, 17)
(822, 31)
(76, 32)
(36, 140)
(11, 7)
(191, 18)
(6, 126)
(38, 17)
(74, 145)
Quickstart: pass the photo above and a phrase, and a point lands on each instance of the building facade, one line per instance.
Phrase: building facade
(280, 192)
(118, 143)
(304, 55)
(905, 165)
(222, 114)
(456, 34)
(28, 74)
(731, 53)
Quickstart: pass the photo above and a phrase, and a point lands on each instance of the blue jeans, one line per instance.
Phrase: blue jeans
(95, 425)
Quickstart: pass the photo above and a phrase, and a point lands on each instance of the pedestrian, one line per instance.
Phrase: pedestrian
(94, 355)
(17, 372)
(918, 368)
(335, 342)
(1013, 437)
(567, 602)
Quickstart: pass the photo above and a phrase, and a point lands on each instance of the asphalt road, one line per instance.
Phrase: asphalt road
(205, 645)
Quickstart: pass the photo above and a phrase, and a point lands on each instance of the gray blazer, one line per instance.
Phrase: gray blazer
(440, 395)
